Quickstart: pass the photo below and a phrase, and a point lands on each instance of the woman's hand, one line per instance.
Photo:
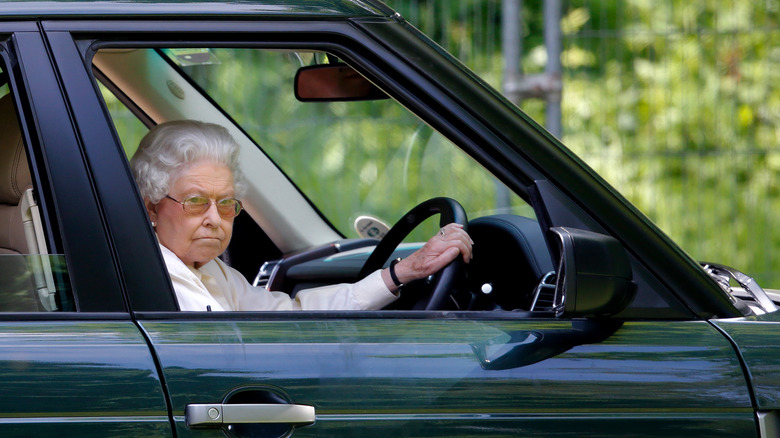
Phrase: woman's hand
(437, 253)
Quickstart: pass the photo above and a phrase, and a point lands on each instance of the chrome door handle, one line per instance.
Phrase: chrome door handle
(217, 414)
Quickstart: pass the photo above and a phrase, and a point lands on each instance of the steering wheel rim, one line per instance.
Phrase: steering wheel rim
(450, 211)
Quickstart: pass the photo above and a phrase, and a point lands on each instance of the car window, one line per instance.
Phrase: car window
(127, 124)
(350, 158)
(314, 169)
(31, 278)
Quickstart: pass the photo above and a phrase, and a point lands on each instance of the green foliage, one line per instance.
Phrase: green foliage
(673, 102)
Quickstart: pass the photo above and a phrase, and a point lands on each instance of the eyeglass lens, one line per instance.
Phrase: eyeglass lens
(227, 208)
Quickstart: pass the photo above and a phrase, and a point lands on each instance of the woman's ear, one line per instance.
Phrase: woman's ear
(151, 209)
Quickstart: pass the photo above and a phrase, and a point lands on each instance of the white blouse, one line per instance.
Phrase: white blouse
(218, 287)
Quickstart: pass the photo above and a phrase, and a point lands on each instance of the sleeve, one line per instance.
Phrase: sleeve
(367, 294)
(370, 293)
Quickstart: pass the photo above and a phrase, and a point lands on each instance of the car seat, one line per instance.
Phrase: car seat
(26, 282)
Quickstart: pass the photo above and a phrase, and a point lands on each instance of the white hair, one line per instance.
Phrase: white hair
(170, 148)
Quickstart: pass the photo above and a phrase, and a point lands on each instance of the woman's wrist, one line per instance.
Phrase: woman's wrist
(394, 275)
(389, 281)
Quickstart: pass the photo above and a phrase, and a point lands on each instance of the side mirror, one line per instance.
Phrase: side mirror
(594, 274)
(334, 83)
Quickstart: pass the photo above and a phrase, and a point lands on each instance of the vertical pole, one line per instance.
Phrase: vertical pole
(512, 47)
(552, 40)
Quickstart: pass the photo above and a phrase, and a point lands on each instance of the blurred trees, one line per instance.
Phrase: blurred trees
(674, 102)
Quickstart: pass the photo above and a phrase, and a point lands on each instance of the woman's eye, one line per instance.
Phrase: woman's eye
(197, 200)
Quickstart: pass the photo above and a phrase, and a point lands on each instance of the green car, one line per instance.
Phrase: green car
(359, 139)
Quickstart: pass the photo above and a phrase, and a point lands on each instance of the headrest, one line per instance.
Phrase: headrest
(14, 170)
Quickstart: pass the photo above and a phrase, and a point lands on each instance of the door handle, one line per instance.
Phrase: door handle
(217, 414)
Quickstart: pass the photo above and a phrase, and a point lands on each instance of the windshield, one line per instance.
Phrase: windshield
(350, 159)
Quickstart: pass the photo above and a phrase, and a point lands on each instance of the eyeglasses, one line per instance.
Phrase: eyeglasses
(227, 208)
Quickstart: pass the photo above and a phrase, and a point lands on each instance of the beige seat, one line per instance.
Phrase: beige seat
(25, 281)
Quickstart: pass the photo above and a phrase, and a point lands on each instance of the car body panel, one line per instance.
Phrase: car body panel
(187, 8)
(754, 340)
(79, 378)
(420, 377)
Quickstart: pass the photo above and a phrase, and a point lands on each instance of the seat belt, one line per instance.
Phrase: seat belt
(39, 254)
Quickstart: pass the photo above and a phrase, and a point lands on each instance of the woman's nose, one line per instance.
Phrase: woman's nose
(212, 216)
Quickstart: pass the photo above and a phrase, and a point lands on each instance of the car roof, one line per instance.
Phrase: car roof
(69, 9)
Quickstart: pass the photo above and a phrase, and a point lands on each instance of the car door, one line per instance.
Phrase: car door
(423, 376)
(72, 360)
(417, 373)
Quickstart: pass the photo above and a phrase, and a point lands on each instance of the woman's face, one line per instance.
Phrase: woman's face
(195, 239)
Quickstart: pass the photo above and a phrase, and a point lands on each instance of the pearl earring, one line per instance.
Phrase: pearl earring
(153, 224)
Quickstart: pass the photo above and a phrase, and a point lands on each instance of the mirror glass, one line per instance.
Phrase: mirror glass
(334, 83)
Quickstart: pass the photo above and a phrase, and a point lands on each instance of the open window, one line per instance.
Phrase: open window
(320, 170)
(31, 278)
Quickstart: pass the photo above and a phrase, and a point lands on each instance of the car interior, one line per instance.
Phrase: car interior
(24, 258)
(305, 243)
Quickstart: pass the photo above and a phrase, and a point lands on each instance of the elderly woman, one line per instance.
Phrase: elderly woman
(188, 175)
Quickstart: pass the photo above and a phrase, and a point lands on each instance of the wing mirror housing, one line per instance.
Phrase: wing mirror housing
(336, 82)
(594, 274)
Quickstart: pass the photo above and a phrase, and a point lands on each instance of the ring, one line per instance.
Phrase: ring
(441, 231)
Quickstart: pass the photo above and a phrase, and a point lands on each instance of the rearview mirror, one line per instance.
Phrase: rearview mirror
(334, 83)
(594, 274)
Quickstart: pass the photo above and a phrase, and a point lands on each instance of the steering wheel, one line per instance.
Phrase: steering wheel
(449, 211)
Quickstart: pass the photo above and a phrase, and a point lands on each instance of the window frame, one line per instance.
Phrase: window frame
(338, 37)
(54, 171)
(429, 100)
(72, 218)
